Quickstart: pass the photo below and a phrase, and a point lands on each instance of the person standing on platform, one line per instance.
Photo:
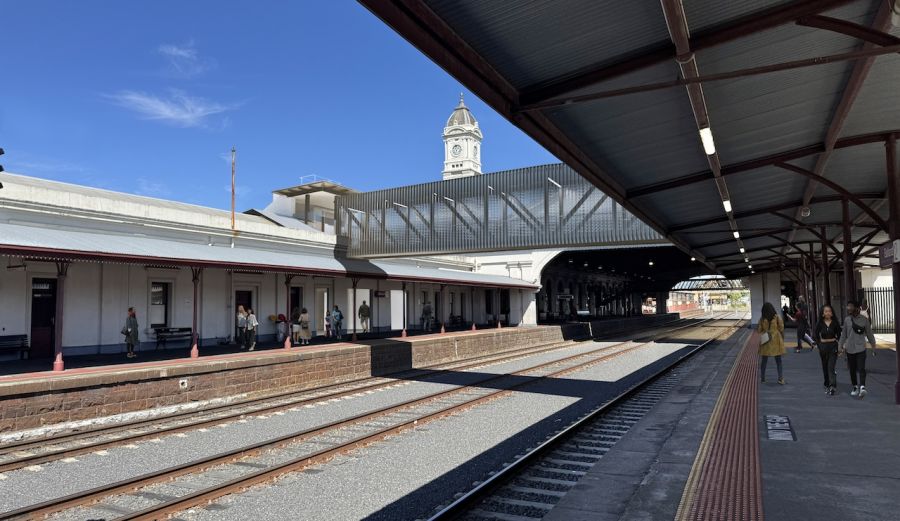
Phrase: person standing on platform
(856, 330)
(131, 332)
(295, 326)
(828, 330)
(305, 333)
(337, 319)
(771, 341)
(241, 319)
(364, 316)
(427, 314)
(252, 325)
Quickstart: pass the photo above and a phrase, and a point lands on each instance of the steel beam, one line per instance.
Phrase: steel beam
(861, 32)
(664, 51)
(893, 182)
(847, 247)
(770, 160)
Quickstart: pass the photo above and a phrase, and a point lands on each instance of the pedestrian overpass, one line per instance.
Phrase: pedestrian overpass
(547, 206)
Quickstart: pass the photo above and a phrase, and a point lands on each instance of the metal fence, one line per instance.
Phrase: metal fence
(545, 206)
(881, 308)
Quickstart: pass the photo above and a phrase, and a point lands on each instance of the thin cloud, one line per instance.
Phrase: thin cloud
(179, 108)
(151, 188)
(185, 60)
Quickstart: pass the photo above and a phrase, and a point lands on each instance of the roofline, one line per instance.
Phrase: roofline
(56, 254)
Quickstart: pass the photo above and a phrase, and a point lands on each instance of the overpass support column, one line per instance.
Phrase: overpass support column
(826, 272)
(893, 176)
(661, 308)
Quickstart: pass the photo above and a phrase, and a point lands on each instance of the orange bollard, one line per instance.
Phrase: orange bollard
(195, 351)
(442, 328)
(473, 326)
(403, 333)
(287, 342)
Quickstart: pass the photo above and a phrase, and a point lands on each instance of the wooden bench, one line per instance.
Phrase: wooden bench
(163, 334)
(15, 344)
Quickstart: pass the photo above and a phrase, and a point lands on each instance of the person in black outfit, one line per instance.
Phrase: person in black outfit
(828, 331)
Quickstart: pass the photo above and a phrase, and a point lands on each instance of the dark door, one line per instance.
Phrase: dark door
(43, 317)
(296, 299)
(241, 298)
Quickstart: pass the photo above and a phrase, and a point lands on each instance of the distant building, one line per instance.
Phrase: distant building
(462, 143)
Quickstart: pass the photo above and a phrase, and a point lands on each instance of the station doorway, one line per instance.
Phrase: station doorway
(43, 317)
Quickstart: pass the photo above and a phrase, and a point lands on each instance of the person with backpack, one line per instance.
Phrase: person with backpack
(252, 325)
(771, 341)
(828, 331)
(856, 330)
(337, 319)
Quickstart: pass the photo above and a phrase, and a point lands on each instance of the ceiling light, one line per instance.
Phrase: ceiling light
(751, 271)
(737, 234)
(750, 266)
(570, 261)
(706, 137)
(650, 263)
(747, 259)
(693, 259)
(727, 204)
(585, 265)
(805, 211)
(742, 250)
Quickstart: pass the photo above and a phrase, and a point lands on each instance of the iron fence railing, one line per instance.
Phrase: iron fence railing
(544, 206)
(881, 308)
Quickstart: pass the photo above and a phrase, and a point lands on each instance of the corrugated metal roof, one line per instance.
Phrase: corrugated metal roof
(878, 105)
(523, 42)
(57, 243)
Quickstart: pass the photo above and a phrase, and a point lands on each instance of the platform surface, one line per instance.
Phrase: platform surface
(843, 465)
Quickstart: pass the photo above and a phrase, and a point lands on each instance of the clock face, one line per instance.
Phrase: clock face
(456, 150)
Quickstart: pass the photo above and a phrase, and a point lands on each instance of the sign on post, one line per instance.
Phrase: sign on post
(887, 254)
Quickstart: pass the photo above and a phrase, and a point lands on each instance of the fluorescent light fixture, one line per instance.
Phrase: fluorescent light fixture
(747, 260)
(750, 266)
(737, 235)
(706, 137)
(727, 204)
(742, 250)
(650, 263)
(751, 271)
(693, 259)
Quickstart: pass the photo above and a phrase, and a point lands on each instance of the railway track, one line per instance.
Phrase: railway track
(27, 453)
(157, 494)
(530, 486)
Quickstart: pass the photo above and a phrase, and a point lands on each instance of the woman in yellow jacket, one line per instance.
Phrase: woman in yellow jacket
(770, 329)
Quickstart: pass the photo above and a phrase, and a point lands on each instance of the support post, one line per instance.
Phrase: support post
(403, 333)
(288, 341)
(893, 176)
(62, 270)
(814, 292)
(355, 282)
(847, 249)
(826, 269)
(472, 307)
(441, 307)
(195, 333)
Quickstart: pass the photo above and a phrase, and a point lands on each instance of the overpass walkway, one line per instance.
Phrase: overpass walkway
(547, 206)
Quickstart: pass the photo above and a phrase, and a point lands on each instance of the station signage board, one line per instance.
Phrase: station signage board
(887, 254)
(379, 293)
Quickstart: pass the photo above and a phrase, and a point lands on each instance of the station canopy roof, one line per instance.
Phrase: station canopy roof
(55, 244)
(800, 98)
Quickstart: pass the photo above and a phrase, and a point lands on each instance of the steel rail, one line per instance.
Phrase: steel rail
(98, 493)
(303, 397)
(501, 477)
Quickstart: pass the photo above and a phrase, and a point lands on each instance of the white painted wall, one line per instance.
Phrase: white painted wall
(874, 278)
(764, 287)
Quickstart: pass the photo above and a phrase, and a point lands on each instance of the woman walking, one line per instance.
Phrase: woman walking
(131, 333)
(305, 333)
(856, 330)
(295, 326)
(771, 341)
(828, 330)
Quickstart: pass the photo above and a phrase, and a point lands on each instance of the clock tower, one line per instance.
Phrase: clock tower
(462, 144)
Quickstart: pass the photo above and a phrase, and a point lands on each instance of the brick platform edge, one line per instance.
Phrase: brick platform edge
(725, 481)
(101, 392)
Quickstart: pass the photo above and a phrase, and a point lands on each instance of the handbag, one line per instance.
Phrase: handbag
(125, 331)
(764, 338)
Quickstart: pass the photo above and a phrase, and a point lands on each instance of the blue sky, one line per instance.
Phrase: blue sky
(148, 98)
